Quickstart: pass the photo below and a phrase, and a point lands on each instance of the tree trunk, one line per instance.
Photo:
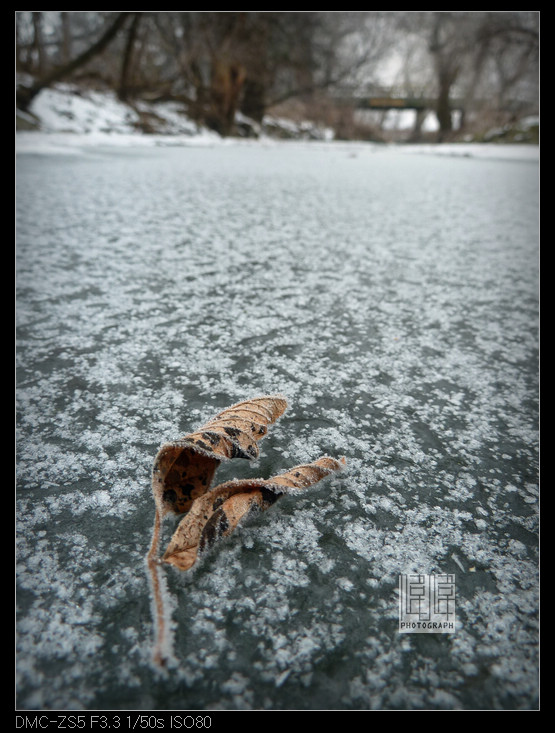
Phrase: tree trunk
(66, 36)
(254, 99)
(443, 108)
(416, 134)
(445, 55)
(26, 95)
(127, 57)
(227, 83)
(38, 45)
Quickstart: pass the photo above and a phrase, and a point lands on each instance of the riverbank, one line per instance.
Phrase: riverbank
(69, 109)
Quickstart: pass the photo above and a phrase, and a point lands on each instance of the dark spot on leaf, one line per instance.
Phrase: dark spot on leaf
(214, 529)
(238, 452)
(184, 457)
(212, 438)
(218, 502)
(269, 497)
(203, 445)
(169, 496)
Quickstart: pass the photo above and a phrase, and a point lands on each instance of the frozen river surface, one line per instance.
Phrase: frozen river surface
(393, 299)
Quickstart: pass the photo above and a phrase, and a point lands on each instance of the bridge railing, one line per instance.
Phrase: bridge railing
(386, 98)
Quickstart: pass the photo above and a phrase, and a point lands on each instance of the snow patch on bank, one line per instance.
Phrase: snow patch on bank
(71, 120)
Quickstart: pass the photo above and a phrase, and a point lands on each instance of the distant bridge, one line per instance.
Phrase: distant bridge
(388, 99)
(420, 104)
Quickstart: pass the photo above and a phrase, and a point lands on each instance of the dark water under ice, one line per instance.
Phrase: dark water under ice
(393, 298)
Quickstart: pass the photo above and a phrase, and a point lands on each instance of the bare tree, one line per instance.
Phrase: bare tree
(25, 95)
(449, 44)
(65, 19)
(126, 66)
(38, 42)
(513, 41)
(218, 63)
(473, 52)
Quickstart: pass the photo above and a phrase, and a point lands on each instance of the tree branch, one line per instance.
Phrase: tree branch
(25, 95)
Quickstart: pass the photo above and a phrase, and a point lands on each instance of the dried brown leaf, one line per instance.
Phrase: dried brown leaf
(182, 477)
(184, 469)
(217, 513)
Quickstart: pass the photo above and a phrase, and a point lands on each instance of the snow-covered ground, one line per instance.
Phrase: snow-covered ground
(101, 116)
(392, 295)
(69, 121)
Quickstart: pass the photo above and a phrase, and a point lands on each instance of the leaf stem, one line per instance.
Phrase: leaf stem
(160, 656)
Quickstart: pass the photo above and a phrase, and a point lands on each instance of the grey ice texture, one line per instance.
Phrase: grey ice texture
(392, 295)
